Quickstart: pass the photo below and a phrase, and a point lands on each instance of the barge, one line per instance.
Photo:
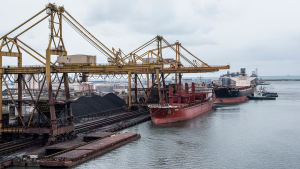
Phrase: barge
(88, 151)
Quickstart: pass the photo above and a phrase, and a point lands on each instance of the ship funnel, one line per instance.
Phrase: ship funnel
(243, 71)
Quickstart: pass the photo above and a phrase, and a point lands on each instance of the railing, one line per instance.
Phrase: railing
(15, 66)
(74, 64)
(195, 103)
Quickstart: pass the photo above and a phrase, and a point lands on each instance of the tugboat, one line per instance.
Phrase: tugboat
(261, 95)
(270, 94)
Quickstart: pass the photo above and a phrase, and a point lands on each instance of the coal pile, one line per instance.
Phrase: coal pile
(106, 103)
(115, 99)
(94, 104)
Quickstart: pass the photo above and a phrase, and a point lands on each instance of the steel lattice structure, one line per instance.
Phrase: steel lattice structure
(50, 111)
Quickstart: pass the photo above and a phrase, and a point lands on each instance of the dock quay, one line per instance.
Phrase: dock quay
(100, 130)
(67, 154)
(89, 151)
(54, 111)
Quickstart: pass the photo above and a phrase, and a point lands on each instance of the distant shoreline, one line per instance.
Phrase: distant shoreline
(281, 79)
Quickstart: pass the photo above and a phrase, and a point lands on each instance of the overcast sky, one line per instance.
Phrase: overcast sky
(249, 34)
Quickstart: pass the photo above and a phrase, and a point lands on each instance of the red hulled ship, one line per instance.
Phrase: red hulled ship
(182, 105)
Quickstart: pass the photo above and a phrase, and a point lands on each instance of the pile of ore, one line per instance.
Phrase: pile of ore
(94, 104)
(118, 102)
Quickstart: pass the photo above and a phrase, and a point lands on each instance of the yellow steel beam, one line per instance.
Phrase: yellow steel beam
(151, 51)
(2, 44)
(129, 88)
(140, 48)
(24, 23)
(11, 130)
(186, 59)
(194, 56)
(160, 79)
(112, 69)
(1, 75)
(27, 87)
(223, 67)
(31, 26)
(163, 47)
(158, 87)
(88, 37)
(141, 59)
(11, 40)
(12, 54)
(62, 77)
(135, 86)
(20, 116)
(24, 70)
(36, 102)
(56, 52)
(90, 34)
(34, 51)
(190, 70)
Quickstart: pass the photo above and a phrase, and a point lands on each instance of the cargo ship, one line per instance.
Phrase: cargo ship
(182, 105)
(233, 94)
(235, 87)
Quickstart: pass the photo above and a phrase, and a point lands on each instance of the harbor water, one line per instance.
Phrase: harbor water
(254, 134)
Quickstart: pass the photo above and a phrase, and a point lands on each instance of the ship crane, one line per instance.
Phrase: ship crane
(50, 120)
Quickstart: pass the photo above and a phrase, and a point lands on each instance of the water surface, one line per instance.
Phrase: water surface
(255, 134)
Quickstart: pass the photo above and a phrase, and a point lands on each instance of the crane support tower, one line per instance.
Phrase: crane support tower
(52, 119)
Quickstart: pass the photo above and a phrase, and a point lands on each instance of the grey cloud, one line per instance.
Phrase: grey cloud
(148, 17)
(208, 9)
(247, 33)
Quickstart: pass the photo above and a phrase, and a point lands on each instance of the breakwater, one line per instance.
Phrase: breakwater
(281, 79)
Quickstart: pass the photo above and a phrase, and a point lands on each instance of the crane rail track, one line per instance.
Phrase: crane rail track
(107, 121)
(13, 146)
(17, 146)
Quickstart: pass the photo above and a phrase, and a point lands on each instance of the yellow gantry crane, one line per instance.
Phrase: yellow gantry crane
(169, 66)
(174, 66)
(50, 120)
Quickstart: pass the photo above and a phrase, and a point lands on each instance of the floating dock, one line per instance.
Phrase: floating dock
(89, 151)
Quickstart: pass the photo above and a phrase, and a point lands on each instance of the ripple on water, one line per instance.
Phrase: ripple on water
(255, 134)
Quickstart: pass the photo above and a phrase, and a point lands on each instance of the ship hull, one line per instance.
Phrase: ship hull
(169, 115)
(233, 94)
(231, 99)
